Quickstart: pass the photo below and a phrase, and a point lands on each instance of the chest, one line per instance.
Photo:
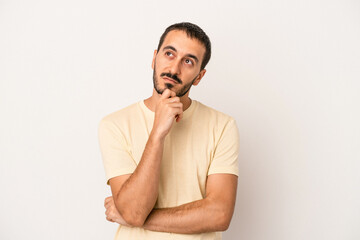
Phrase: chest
(187, 155)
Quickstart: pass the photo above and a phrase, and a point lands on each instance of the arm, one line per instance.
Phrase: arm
(135, 194)
(213, 213)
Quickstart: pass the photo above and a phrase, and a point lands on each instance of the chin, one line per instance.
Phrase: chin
(169, 86)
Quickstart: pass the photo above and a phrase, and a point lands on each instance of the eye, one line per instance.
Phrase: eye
(168, 54)
(188, 61)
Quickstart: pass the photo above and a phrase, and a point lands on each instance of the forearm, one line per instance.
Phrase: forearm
(196, 217)
(138, 195)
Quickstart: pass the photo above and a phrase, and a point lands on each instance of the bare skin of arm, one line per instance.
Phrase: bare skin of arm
(213, 213)
(135, 194)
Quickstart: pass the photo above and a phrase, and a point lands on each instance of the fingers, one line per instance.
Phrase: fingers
(173, 99)
(108, 204)
(168, 109)
(179, 117)
(176, 109)
(172, 94)
(168, 94)
(175, 105)
(107, 200)
(109, 219)
(110, 214)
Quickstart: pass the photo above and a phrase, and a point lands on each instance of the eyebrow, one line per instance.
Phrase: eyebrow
(187, 55)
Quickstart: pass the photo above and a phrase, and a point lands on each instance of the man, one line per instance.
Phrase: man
(171, 162)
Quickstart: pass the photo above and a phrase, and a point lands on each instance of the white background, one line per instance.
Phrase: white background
(288, 71)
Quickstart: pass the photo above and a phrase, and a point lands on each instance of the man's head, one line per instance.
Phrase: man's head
(179, 62)
(193, 31)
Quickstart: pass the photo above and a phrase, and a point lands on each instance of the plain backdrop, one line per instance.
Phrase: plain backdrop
(287, 71)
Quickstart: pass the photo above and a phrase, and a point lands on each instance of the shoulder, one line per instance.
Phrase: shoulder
(122, 113)
(122, 116)
(212, 115)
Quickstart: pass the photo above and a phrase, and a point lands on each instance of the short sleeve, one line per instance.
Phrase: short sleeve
(116, 157)
(225, 158)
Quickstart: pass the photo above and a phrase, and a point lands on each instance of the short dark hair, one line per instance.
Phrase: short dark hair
(193, 31)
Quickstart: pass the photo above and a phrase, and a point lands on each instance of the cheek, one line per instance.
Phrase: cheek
(161, 63)
(191, 76)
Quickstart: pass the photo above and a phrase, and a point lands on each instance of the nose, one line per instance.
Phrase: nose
(175, 67)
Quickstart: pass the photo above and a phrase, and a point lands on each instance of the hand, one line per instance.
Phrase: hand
(167, 110)
(112, 213)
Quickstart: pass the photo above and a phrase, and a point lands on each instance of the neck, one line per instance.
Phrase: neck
(152, 101)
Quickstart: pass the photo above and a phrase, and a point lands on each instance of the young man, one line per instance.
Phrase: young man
(171, 161)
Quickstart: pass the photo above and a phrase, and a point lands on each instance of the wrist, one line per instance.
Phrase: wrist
(156, 136)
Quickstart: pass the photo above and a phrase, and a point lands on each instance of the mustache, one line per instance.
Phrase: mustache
(172, 76)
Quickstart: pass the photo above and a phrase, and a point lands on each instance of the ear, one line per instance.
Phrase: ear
(153, 61)
(199, 77)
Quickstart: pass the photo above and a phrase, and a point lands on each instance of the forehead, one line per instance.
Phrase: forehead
(184, 44)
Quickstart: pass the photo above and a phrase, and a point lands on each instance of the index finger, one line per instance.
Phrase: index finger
(172, 94)
(167, 93)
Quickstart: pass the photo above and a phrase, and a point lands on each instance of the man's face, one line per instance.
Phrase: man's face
(177, 64)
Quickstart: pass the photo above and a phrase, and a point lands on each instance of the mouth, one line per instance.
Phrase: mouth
(170, 80)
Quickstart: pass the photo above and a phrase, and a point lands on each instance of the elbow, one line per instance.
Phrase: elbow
(131, 213)
(223, 226)
(224, 220)
(133, 219)
(222, 213)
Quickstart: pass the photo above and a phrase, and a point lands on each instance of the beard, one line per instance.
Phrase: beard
(181, 92)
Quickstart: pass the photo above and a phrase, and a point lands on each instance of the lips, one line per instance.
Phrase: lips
(170, 80)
